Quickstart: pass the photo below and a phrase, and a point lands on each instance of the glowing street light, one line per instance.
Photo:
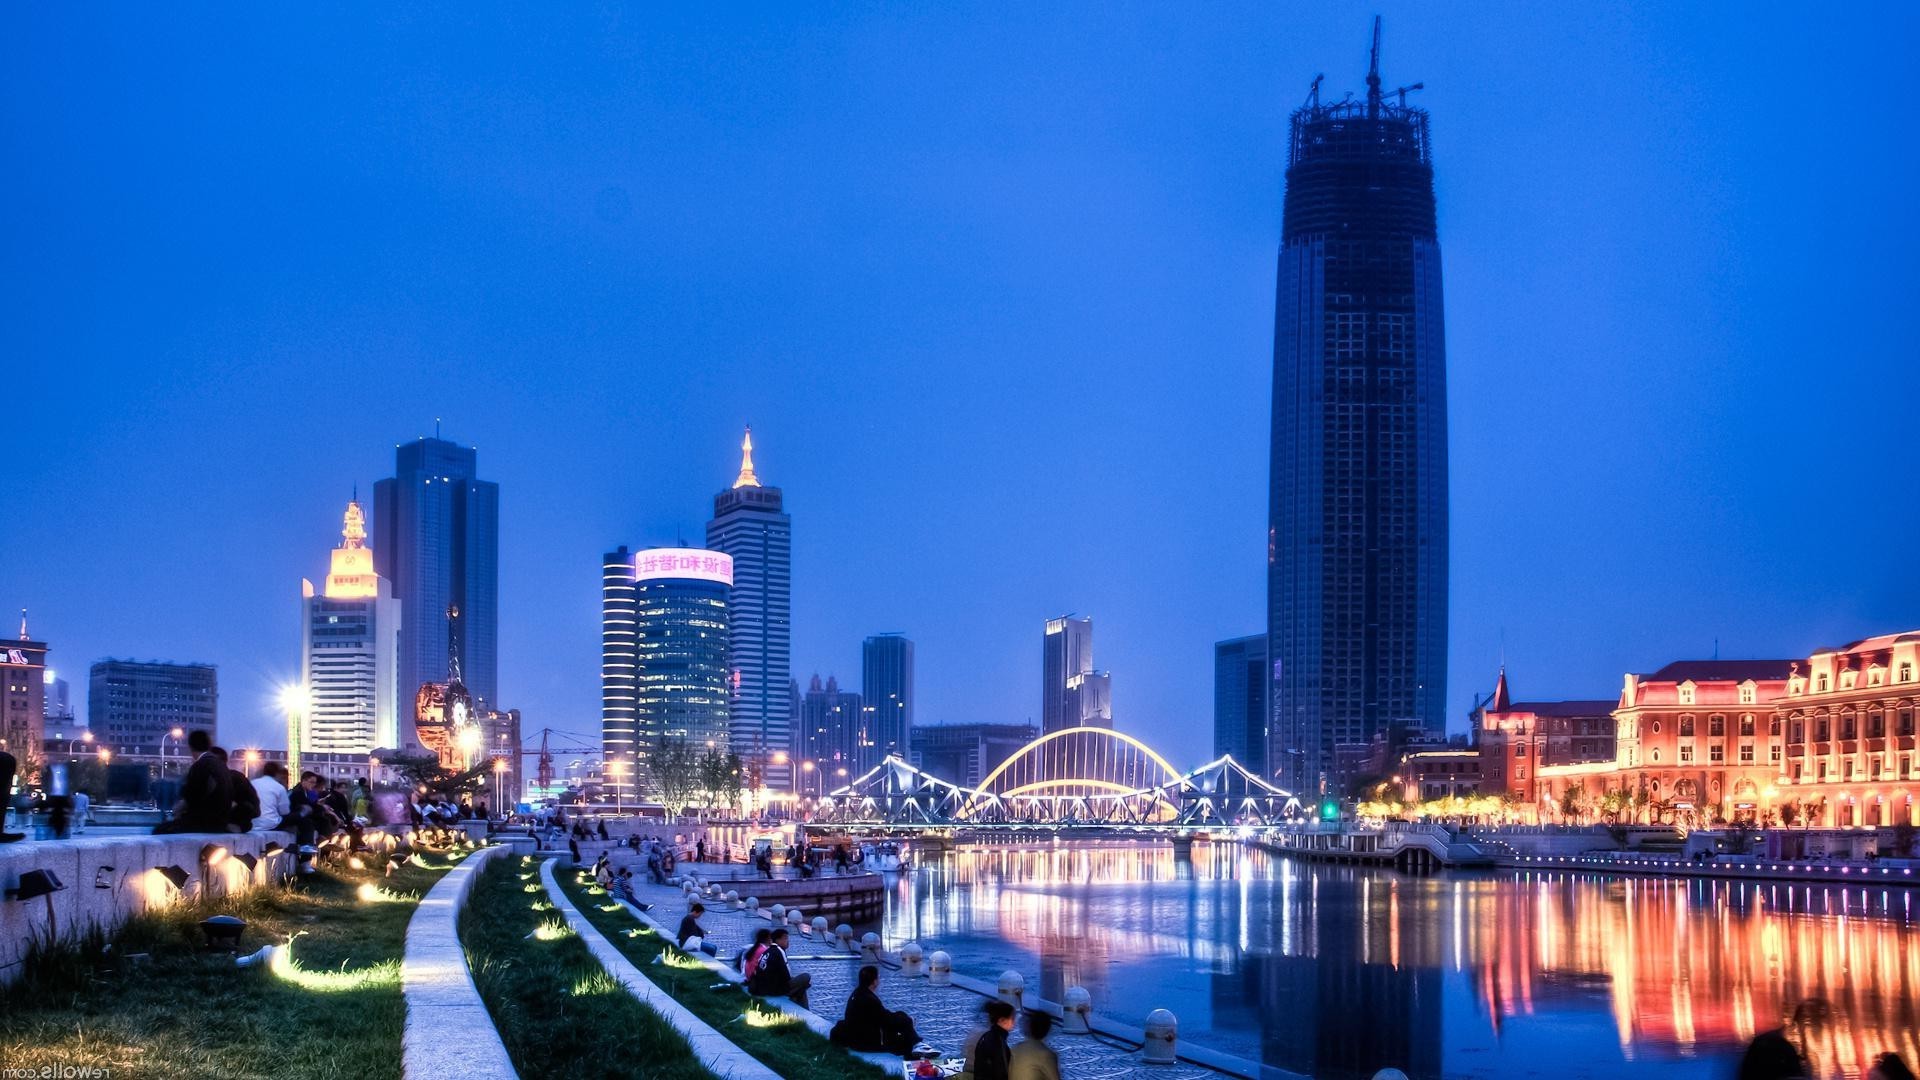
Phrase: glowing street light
(293, 701)
(618, 768)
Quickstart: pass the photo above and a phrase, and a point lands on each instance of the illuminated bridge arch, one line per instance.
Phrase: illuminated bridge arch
(1073, 774)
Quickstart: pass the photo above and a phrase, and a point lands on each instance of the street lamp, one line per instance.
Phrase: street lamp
(616, 767)
(106, 755)
(170, 736)
(293, 700)
(499, 779)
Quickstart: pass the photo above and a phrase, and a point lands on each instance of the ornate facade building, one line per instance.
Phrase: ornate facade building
(1519, 738)
(1824, 742)
(1848, 712)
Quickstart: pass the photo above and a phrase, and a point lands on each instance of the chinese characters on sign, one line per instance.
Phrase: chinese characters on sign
(694, 563)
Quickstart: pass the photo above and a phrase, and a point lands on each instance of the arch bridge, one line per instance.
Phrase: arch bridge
(1084, 777)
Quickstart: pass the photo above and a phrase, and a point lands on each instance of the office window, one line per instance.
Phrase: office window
(1746, 755)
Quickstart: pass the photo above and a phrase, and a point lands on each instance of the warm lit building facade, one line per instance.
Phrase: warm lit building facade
(350, 652)
(1428, 775)
(1519, 738)
(23, 688)
(1848, 713)
(751, 525)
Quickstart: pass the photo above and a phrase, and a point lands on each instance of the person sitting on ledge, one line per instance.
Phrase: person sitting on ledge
(774, 978)
(869, 1025)
(276, 806)
(750, 959)
(690, 929)
(246, 800)
(8, 765)
(206, 795)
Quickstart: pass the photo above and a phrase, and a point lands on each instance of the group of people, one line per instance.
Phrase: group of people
(215, 797)
(869, 1025)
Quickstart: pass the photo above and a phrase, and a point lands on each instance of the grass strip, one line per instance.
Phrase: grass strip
(557, 1010)
(148, 1000)
(779, 1041)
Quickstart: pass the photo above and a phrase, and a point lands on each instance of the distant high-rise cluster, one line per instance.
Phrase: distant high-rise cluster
(1073, 694)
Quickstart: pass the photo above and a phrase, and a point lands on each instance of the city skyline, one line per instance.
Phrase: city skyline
(1628, 288)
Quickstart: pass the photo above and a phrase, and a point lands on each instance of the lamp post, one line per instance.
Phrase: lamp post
(806, 774)
(164, 741)
(499, 779)
(617, 768)
(293, 700)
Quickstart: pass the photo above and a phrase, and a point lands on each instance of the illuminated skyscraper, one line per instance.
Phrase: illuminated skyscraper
(437, 540)
(619, 665)
(350, 652)
(1357, 537)
(1072, 694)
(886, 690)
(1241, 679)
(750, 524)
(680, 638)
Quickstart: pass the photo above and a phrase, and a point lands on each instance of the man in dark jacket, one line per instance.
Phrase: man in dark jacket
(246, 801)
(775, 979)
(206, 795)
(989, 1058)
(690, 928)
(869, 1025)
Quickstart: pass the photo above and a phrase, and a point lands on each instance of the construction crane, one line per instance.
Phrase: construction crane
(1373, 74)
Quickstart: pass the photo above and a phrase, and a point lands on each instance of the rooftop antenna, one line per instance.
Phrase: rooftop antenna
(1373, 74)
(436, 420)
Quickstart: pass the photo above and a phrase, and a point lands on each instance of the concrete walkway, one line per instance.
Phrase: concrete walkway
(448, 1032)
(713, 1049)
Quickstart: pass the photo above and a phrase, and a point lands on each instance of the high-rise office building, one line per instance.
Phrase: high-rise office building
(828, 748)
(1072, 694)
(1241, 679)
(886, 691)
(1357, 514)
(965, 753)
(23, 695)
(751, 525)
(682, 676)
(133, 706)
(349, 651)
(619, 667)
(437, 540)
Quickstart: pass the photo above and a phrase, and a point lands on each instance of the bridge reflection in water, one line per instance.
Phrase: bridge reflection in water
(1337, 971)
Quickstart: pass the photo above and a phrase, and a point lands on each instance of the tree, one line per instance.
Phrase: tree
(1573, 801)
(676, 774)
(426, 771)
(716, 777)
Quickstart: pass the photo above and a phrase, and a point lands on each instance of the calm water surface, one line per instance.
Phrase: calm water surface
(1337, 971)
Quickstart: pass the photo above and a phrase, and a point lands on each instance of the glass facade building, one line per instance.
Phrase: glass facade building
(1357, 539)
(750, 524)
(1240, 683)
(682, 671)
(437, 540)
(886, 691)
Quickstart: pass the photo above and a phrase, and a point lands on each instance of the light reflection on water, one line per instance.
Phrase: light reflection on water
(1337, 971)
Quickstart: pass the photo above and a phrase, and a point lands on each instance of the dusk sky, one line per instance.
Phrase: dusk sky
(994, 286)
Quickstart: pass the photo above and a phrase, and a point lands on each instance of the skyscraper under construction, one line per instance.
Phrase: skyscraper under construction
(1357, 512)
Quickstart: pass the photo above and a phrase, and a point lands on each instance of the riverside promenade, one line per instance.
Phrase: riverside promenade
(946, 1005)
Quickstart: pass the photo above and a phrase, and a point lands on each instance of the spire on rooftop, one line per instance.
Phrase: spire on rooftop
(1500, 702)
(746, 478)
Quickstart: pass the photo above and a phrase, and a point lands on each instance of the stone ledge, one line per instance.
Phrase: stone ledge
(448, 1029)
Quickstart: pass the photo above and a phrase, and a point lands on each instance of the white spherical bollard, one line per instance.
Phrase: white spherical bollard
(795, 917)
(1076, 1009)
(1389, 1074)
(1012, 987)
(940, 968)
(1163, 1033)
(870, 946)
(752, 904)
(912, 960)
(732, 897)
(819, 925)
(778, 913)
(843, 934)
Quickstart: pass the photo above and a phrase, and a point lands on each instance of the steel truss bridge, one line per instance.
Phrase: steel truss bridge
(1083, 777)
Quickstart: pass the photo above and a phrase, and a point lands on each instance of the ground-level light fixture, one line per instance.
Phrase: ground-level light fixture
(35, 884)
(175, 875)
(223, 932)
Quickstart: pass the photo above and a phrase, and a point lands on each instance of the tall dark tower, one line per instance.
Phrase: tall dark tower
(1357, 516)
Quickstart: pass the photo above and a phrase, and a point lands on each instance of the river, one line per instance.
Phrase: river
(1336, 971)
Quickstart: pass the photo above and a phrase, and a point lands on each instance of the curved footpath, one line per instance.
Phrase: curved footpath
(714, 1050)
(449, 1031)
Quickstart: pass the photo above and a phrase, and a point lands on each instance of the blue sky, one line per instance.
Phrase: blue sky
(994, 287)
